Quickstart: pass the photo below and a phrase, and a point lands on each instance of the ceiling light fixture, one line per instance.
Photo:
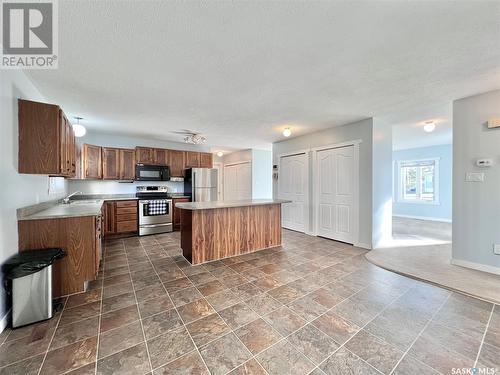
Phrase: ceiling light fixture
(429, 126)
(195, 139)
(78, 129)
(287, 132)
(220, 154)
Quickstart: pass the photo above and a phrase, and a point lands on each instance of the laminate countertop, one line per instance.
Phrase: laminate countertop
(193, 206)
(59, 211)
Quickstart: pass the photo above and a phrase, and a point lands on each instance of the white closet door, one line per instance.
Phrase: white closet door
(336, 193)
(230, 183)
(238, 181)
(292, 185)
(244, 181)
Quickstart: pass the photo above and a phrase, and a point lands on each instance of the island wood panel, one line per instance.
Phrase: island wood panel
(77, 236)
(212, 234)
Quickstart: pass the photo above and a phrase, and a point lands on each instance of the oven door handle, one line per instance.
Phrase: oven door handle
(154, 225)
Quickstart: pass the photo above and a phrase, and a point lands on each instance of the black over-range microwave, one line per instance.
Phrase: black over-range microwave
(145, 172)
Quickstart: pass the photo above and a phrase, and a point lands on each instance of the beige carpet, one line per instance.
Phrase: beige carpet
(432, 263)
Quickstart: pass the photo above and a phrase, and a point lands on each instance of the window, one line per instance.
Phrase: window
(419, 181)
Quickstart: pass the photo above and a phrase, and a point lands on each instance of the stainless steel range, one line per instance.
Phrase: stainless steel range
(155, 210)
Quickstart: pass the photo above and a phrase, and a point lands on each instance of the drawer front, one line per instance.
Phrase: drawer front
(126, 204)
(126, 217)
(126, 226)
(126, 211)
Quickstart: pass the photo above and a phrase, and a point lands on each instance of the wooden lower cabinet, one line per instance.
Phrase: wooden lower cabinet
(79, 237)
(177, 212)
(121, 218)
(109, 218)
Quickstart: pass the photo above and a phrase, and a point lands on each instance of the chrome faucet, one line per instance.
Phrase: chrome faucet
(66, 200)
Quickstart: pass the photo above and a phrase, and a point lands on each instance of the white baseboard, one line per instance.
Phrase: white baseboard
(363, 245)
(4, 321)
(476, 266)
(443, 220)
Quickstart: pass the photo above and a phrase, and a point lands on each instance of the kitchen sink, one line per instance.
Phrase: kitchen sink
(84, 201)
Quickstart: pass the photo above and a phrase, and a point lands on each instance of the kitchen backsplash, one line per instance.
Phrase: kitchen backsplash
(115, 187)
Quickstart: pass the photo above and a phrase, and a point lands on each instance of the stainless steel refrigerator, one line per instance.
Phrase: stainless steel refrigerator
(201, 184)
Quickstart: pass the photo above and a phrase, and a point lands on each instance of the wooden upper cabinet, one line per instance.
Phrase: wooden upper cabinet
(206, 160)
(110, 163)
(176, 163)
(127, 164)
(161, 156)
(145, 155)
(192, 159)
(92, 161)
(46, 140)
(70, 147)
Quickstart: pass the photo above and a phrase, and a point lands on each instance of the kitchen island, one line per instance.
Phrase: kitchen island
(222, 229)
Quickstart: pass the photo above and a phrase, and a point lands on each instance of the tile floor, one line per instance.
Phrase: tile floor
(311, 306)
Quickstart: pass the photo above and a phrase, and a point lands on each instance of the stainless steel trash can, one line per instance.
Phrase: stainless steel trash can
(32, 297)
(28, 280)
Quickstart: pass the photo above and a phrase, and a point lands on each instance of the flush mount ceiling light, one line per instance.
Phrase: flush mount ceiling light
(78, 129)
(195, 139)
(429, 126)
(287, 132)
(220, 154)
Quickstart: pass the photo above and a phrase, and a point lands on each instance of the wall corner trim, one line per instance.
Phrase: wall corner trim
(5, 321)
(363, 245)
(476, 266)
(428, 218)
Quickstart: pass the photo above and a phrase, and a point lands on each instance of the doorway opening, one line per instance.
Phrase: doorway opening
(422, 184)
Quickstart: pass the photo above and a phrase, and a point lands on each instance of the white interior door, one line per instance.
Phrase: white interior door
(335, 201)
(293, 186)
(238, 181)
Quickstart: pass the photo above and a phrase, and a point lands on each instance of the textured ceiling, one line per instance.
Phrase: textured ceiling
(239, 71)
(411, 134)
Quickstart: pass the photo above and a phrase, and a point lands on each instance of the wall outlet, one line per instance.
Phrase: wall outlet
(474, 177)
(496, 248)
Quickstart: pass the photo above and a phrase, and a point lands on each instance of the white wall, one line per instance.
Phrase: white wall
(262, 174)
(382, 183)
(237, 157)
(476, 206)
(358, 130)
(17, 190)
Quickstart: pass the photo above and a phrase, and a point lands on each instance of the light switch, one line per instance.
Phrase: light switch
(496, 249)
(474, 177)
